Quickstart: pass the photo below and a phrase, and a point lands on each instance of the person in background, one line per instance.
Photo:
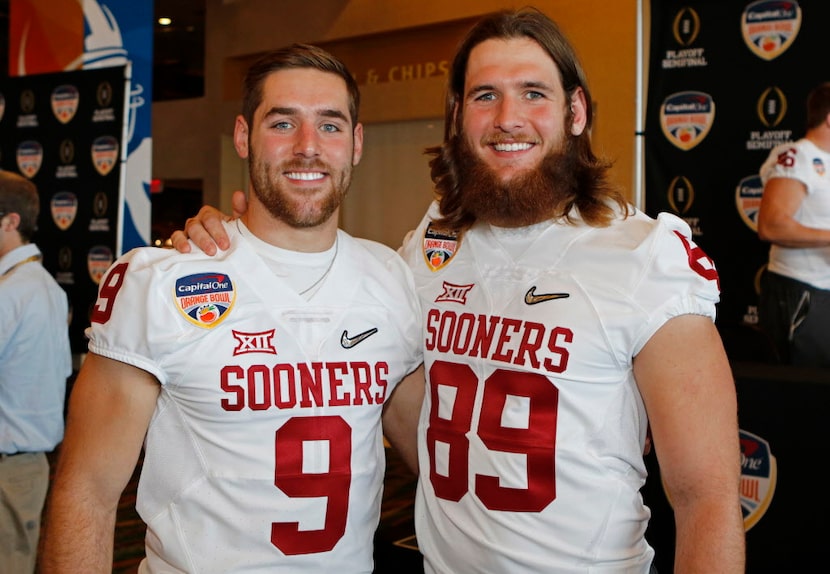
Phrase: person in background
(257, 381)
(560, 323)
(35, 363)
(794, 304)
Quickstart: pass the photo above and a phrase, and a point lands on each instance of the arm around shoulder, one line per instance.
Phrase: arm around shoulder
(206, 229)
(401, 414)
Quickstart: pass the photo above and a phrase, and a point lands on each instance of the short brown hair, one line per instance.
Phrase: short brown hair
(294, 56)
(818, 105)
(19, 195)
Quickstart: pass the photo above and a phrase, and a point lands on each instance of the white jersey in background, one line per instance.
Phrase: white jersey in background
(532, 432)
(805, 162)
(265, 452)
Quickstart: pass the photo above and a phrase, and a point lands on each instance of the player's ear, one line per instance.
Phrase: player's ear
(579, 112)
(358, 144)
(10, 221)
(240, 137)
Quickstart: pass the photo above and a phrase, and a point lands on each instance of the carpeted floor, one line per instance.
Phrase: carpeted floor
(396, 550)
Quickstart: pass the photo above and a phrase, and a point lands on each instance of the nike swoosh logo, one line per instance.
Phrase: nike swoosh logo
(348, 342)
(531, 298)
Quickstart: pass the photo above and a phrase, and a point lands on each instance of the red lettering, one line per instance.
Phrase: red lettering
(362, 383)
(562, 353)
(285, 393)
(432, 332)
(445, 331)
(699, 262)
(262, 387)
(528, 347)
(484, 337)
(500, 354)
(381, 371)
(336, 371)
(259, 377)
(236, 390)
(311, 386)
(503, 339)
(465, 329)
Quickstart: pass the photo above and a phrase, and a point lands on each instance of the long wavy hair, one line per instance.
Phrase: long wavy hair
(593, 194)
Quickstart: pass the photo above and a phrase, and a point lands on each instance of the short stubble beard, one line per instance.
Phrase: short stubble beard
(307, 211)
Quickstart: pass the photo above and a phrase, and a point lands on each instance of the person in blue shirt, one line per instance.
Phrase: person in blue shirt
(35, 362)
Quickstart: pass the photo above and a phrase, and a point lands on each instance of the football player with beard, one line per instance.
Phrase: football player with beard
(560, 323)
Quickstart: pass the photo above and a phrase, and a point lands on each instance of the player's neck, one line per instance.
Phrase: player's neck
(820, 138)
(276, 232)
(9, 241)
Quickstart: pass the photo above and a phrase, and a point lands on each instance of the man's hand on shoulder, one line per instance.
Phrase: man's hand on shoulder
(206, 229)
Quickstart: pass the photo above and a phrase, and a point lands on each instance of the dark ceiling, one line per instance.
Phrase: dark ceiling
(178, 49)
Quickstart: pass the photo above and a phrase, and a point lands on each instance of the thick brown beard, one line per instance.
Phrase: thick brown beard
(527, 198)
(283, 207)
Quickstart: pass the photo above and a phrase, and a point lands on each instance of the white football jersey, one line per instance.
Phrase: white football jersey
(809, 164)
(532, 433)
(265, 452)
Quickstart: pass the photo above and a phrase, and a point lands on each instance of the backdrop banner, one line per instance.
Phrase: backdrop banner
(64, 36)
(65, 132)
(782, 414)
(727, 82)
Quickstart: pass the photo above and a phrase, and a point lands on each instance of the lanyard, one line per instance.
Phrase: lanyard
(19, 263)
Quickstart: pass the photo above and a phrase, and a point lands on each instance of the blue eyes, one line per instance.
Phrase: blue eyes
(491, 96)
(285, 126)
